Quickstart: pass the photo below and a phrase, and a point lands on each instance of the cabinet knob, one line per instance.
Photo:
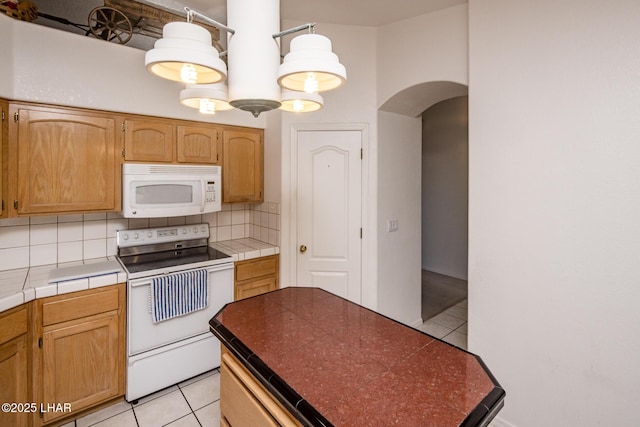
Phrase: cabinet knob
(303, 248)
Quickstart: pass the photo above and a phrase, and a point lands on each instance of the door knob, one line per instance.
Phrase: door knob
(303, 248)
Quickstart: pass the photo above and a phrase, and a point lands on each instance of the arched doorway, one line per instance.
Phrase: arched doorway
(443, 107)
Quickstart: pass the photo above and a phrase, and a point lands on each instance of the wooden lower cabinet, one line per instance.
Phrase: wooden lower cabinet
(256, 276)
(246, 402)
(14, 367)
(80, 354)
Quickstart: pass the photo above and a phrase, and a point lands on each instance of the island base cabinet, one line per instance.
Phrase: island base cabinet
(14, 366)
(244, 401)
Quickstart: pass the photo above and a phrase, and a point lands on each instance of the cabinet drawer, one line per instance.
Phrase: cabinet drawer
(256, 268)
(13, 324)
(63, 308)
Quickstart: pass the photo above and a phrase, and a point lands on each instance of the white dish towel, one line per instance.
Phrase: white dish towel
(178, 294)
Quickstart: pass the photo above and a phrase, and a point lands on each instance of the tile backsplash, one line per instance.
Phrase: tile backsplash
(28, 242)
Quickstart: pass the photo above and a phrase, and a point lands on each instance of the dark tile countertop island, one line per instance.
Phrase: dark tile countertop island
(332, 362)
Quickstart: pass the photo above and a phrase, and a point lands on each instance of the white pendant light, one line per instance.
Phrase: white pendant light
(256, 80)
(208, 98)
(300, 102)
(185, 54)
(311, 66)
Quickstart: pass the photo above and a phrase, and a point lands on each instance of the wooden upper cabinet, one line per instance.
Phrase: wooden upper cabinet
(242, 166)
(170, 141)
(148, 141)
(63, 160)
(198, 144)
(4, 118)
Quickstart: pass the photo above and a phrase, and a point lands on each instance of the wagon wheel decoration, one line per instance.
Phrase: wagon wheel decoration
(110, 24)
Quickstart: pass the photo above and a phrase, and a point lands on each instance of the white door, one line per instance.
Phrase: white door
(329, 211)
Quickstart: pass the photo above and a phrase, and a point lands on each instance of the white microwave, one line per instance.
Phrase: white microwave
(156, 190)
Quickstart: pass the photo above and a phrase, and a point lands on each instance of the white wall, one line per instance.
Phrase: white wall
(56, 67)
(399, 170)
(6, 51)
(554, 230)
(272, 156)
(445, 189)
(426, 48)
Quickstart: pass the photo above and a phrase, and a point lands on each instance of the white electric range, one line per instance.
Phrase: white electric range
(160, 263)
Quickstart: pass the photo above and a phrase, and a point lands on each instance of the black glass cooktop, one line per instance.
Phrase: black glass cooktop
(172, 258)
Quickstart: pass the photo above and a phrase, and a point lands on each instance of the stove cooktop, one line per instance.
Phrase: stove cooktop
(174, 258)
(156, 251)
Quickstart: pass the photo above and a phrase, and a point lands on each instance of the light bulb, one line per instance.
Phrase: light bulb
(188, 73)
(311, 83)
(207, 106)
(298, 105)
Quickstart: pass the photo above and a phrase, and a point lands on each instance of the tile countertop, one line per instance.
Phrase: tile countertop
(332, 362)
(243, 249)
(25, 284)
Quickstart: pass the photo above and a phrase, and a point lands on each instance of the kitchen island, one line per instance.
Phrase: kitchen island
(326, 361)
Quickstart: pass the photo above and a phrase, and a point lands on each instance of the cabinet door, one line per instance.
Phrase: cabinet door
(149, 141)
(80, 364)
(4, 107)
(67, 162)
(13, 380)
(13, 365)
(242, 166)
(198, 144)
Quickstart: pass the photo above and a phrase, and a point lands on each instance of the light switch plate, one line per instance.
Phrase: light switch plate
(392, 225)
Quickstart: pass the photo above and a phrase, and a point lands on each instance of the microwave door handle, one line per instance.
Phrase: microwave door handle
(204, 195)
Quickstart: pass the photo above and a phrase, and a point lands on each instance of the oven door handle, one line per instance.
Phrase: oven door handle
(137, 284)
(210, 269)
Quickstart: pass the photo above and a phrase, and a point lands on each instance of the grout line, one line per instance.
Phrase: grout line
(135, 417)
(189, 405)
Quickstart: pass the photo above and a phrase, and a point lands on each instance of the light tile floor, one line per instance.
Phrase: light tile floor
(192, 403)
(450, 325)
(196, 402)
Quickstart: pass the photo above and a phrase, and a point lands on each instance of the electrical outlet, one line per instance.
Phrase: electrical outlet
(392, 225)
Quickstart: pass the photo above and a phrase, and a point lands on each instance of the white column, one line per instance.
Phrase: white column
(254, 55)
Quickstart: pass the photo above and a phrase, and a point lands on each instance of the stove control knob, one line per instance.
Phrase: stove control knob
(195, 229)
(149, 234)
(125, 236)
(184, 231)
(136, 235)
(203, 229)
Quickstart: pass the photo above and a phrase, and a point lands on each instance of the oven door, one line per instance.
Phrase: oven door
(144, 335)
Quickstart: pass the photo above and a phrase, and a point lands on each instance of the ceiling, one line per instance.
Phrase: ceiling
(371, 13)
